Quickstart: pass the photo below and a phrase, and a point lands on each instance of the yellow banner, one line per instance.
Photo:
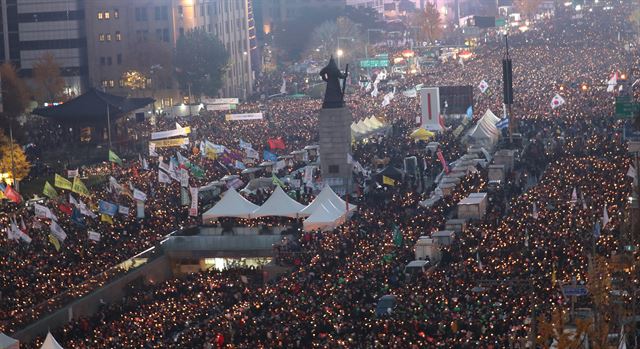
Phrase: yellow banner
(166, 143)
(388, 181)
(79, 187)
(62, 182)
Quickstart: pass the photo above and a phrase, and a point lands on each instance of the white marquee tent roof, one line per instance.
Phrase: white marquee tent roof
(50, 343)
(326, 216)
(7, 342)
(279, 204)
(326, 195)
(232, 204)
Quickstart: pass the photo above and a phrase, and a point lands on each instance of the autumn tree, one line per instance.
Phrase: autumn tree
(22, 165)
(555, 329)
(527, 8)
(150, 66)
(428, 22)
(201, 62)
(324, 40)
(15, 94)
(49, 84)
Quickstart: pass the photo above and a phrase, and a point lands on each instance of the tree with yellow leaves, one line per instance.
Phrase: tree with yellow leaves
(22, 165)
(595, 330)
(429, 23)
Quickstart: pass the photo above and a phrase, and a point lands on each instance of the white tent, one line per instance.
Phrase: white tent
(232, 204)
(485, 133)
(326, 195)
(7, 342)
(279, 204)
(50, 343)
(490, 116)
(325, 217)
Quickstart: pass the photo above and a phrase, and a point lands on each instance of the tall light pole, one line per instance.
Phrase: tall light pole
(340, 52)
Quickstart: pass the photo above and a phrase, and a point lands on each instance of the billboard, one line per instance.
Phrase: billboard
(455, 99)
(430, 108)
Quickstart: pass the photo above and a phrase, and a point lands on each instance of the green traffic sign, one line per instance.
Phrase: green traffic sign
(501, 22)
(626, 108)
(374, 63)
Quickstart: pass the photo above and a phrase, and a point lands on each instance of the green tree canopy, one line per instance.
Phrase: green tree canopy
(200, 60)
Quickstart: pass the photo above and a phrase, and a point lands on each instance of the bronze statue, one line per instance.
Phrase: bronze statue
(334, 95)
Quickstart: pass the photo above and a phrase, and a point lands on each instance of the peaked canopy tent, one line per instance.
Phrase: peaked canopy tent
(485, 133)
(94, 109)
(7, 342)
(279, 204)
(326, 195)
(50, 343)
(422, 134)
(232, 204)
(326, 211)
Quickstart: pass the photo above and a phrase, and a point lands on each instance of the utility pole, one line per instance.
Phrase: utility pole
(507, 87)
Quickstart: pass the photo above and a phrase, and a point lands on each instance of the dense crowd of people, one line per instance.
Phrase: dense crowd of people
(482, 294)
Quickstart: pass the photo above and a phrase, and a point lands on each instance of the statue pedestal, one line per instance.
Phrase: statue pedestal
(335, 144)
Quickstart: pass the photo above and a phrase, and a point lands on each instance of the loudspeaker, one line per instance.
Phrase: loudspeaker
(507, 81)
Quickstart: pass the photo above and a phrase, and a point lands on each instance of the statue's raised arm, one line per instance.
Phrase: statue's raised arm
(334, 94)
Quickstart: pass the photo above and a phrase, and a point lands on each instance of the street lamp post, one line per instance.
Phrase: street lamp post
(340, 52)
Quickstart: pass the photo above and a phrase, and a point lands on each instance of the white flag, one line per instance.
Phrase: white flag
(283, 88)
(138, 195)
(574, 197)
(163, 177)
(123, 210)
(483, 86)
(535, 211)
(193, 210)
(632, 172)
(44, 212)
(152, 149)
(57, 231)
(73, 200)
(605, 217)
(557, 101)
(613, 81)
(92, 235)
(84, 210)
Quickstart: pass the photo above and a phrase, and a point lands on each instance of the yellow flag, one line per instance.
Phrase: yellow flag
(49, 191)
(2, 195)
(62, 182)
(211, 154)
(388, 181)
(79, 187)
(106, 218)
(54, 241)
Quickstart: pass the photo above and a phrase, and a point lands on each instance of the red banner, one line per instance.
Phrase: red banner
(443, 162)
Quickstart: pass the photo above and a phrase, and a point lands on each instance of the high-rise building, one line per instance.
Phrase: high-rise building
(32, 28)
(120, 33)
(271, 13)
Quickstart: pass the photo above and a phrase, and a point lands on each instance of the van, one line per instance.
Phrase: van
(416, 268)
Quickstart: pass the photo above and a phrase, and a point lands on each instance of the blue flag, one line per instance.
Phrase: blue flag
(269, 156)
(470, 112)
(107, 208)
(596, 230)
(77, 218)
(504, 123)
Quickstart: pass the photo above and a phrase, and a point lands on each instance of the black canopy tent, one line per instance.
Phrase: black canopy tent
(93, 110)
